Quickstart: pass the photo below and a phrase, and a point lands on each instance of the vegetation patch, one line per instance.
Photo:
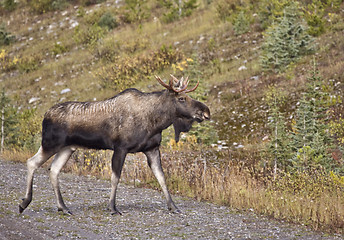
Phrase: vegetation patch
(271, 72)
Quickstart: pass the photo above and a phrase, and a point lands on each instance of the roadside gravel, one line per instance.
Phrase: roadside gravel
(145, 215)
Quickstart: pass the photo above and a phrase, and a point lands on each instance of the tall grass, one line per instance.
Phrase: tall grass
(314, 199)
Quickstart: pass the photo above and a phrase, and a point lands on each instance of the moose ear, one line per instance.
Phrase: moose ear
(181, 125)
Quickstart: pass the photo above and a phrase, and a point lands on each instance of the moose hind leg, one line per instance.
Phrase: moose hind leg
(59, 161)
(154, 162)
(117, 165)
(32, 164)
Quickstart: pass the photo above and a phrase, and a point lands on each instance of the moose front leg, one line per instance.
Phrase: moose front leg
(59, 161)
(32, 164)
(154, 162)
(116, 165)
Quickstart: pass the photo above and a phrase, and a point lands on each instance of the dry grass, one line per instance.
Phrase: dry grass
(315, 200)
(16, 156)
(204, 175)
(234, 179)
(233, 184)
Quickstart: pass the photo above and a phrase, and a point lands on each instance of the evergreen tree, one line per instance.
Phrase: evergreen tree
(278, 146)
(310, 139)
(241, 24)
(7, 119)
(285, 41)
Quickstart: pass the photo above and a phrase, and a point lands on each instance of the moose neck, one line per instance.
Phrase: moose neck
(163, 111)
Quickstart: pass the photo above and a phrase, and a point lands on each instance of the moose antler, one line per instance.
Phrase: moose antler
(184, 84)
(163, 83)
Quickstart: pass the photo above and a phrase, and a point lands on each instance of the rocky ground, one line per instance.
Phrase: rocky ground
(145, 215)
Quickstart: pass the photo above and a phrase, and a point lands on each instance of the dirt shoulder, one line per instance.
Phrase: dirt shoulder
(145, 215)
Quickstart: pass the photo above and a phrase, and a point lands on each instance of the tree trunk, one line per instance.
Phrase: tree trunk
(2, 129)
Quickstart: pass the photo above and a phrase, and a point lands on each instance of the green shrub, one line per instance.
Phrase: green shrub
(315, 18)
(29, 63)
(89, 35)
(108, 21)
(241, 23)
(6, 38)
(28, 130)
(59, 48)
(136, 11)
(337, 130)
(6, 62)
(127, 71)
(226, 9)
(90, 2)
(59, 4)
(175, 9)
(41, 6)
(9, 5)
(272, 11)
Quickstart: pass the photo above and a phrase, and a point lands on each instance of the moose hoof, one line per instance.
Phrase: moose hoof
(175, 211)
(116, 212)
(21, 209)
(24, 204)
(65, 211)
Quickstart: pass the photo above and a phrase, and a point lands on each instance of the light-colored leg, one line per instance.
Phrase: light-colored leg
(117, 165)
(154, 162)
(32, 164)
(59, 161)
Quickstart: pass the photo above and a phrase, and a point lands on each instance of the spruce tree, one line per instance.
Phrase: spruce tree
(7, 118)
(310, 140)
(286, 41)
(278, 146)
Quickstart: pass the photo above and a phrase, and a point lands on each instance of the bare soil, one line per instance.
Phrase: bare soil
(145, 215)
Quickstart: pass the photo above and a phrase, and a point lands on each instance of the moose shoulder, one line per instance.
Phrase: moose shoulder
(129, 122)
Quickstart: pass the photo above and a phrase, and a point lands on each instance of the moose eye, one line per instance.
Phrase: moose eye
(181, 99)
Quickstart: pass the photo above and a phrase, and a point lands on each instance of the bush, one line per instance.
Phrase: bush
(227, 9)
(337, 130)
(29, 64)
(315, 18)
(28, 129)
(128, 71)
(90, 2)
(41, 6)
(108, 21)
(58, 48)
(175, 10)
(6, 63)
(271, 11)
(6, 38)
(241, 24)
(9, 5)
(89, 35)
(136, 11)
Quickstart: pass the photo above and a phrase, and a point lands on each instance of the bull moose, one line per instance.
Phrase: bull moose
(129, 122)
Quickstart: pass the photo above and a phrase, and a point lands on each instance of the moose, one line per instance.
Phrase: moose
(130, 122)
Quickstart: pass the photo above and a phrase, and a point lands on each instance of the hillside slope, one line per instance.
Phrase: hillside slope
(272, 73)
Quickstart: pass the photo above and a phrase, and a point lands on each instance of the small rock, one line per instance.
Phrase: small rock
(66, 90)
(242, 68)
(33, 99)
(255, 78)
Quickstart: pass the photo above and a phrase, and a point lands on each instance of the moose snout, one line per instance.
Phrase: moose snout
(206, 115)
(200, 116)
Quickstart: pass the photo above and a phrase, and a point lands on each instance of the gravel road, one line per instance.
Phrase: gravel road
(145, 215)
